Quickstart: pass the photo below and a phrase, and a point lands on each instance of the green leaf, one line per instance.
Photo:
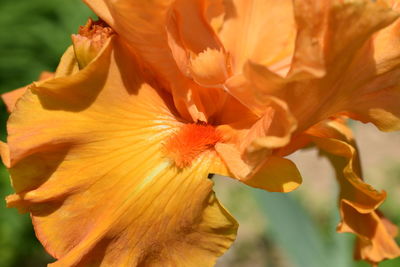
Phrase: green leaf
(292, 228)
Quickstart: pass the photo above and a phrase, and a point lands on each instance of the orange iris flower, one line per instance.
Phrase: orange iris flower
(111, 154)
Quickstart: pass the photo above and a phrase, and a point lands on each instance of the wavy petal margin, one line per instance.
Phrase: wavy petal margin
(359, 202)
(85, 154)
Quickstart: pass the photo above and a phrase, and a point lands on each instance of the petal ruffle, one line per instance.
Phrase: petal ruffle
(86, 156)
(358, 200)
(249, 149)
(336, 47)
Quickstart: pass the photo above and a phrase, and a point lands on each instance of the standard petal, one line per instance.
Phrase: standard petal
(374, 77)
(262, 31)
(87, 157)
(161, 33)
(380, 107)
(340, 32)
(143, 24)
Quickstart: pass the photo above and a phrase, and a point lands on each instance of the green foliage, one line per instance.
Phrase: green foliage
(33, 36)
(297, 233)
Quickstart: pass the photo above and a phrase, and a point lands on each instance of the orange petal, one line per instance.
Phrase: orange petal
(87, 157)
(161, 33)
(274, 174)
(358, 200)
(311, 19)
(143, 24)
(335, 138)
(374, 77)
(331, 41)
(380, 107)
(262, 31)
(195, 32)
(11, 98)
(375, 234)
(249, 147)
(251, 141)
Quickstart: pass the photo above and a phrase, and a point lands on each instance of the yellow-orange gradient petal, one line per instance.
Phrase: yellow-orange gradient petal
(87, 161)
(358, 201)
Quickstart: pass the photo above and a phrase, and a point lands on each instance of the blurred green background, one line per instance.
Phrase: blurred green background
(277, 230)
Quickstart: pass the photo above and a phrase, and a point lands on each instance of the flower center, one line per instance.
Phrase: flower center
(189, 142)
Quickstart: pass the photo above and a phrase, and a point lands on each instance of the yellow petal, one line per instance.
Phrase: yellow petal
(86, 155)
(68, 64)
(275, 175)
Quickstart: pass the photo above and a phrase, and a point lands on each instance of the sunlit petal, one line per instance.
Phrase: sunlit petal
(87, 157)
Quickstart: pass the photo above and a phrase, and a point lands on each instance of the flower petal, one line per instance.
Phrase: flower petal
(375, 234)
(276, 174)
(249, 142)
(161, 33)
(250, 145)
(142, 23)
(87, 157)
(380, 107)
(262, 31)
(358, 200)
(11, 98)
(339, 31)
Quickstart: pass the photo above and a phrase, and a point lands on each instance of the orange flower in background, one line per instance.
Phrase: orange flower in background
(111, 154)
